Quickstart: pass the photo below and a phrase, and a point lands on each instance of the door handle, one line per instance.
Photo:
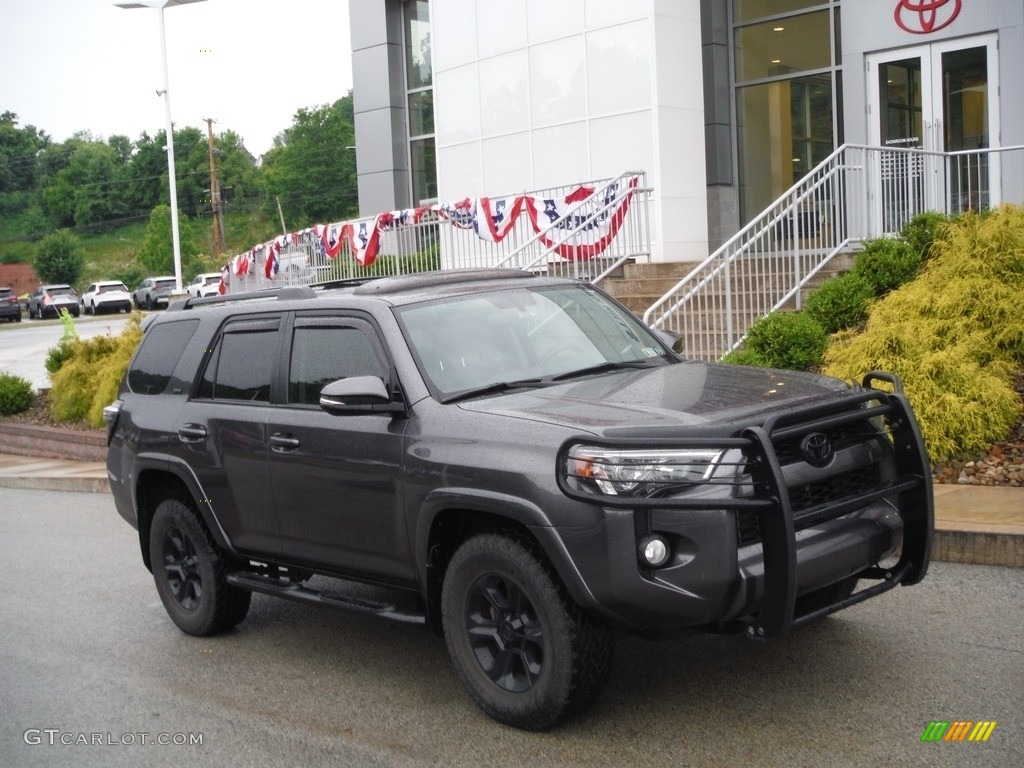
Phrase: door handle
(283, 442)
(192, 433)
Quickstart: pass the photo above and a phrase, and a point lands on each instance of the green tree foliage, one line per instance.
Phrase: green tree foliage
(60, 259)
(309, 168)
(955, 335)
(157, 253)
(18, 167)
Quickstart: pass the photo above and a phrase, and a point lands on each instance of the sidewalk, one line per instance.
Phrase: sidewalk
(973, 524)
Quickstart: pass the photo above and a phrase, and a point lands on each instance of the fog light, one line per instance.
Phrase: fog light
(654, 551)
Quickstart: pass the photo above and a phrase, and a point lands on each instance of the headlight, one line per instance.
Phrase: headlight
(637, 473)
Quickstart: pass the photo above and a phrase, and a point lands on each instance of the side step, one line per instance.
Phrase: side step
(292, 591)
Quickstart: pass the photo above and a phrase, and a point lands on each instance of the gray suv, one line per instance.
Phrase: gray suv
(513, 461)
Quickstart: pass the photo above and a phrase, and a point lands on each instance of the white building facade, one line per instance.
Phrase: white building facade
(724, 103)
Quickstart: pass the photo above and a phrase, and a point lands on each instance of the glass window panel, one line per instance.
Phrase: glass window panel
(784, 128)
(322, 355)
(424, 171)
(783, 47)
(745, 10)
(899, 82)
(161, 349)
(965, 92)
(421, 113)
(417, 44)
(244, 367)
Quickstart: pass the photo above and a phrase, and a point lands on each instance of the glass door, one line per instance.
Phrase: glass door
(939, 98)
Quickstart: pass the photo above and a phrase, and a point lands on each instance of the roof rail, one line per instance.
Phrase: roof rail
(281, 294)
(414, 280)
(345, 282)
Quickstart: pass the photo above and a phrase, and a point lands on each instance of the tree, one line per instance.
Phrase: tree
(60, 258)
(18, 165)
(310, 169)
(157, 253)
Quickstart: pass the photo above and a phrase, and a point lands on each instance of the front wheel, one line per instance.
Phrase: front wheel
(525, 651)
(190, 571)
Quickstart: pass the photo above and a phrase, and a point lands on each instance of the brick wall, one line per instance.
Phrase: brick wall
(21, 277)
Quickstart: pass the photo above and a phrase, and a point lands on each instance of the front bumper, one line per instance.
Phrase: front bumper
(712, 579)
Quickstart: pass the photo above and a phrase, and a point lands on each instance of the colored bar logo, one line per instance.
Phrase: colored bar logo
(958, 730)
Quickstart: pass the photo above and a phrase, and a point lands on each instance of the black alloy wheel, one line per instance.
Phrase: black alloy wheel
(526, 653)
(190, 572)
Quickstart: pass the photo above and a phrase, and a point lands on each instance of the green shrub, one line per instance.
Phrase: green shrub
(742, 356)
(886, 264)
(955, 335)
(919, 233)
(89, 379)
(16, 394)
(792, 340)
(57, 355)
(840, 303)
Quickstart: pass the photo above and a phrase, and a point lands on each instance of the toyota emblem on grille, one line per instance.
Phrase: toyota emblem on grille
(816, 449)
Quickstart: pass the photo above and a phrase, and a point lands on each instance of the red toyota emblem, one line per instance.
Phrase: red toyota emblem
(921, 17)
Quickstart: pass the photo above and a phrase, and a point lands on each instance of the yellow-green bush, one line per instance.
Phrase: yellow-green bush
(955, 335)
(88, 380)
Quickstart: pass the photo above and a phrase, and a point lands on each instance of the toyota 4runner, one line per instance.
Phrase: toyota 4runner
(518, 462)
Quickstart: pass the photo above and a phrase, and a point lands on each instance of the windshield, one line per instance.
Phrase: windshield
(531, 335)
(165, 283)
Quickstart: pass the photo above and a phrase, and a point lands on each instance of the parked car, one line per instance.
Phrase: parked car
(206, 284)
(10, 307)
(521, 461)
(153, 292)
(106, 296)
(51, 299)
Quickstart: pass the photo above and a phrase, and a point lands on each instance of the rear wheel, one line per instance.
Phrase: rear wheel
(190, 571)
(525, 651)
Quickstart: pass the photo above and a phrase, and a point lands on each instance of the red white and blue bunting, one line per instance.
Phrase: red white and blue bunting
(575, 227)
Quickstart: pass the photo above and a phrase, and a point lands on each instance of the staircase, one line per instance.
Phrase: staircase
(639, 286)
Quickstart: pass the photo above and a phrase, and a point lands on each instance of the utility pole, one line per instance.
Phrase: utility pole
(218, 227)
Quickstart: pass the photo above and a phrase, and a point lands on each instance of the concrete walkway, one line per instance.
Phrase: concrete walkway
(973, 524)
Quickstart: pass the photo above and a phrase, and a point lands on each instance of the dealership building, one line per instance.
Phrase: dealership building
(725, 104)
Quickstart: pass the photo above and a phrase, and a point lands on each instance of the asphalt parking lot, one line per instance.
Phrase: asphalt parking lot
(87, 656)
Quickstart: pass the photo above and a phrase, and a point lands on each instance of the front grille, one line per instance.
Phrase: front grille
(815, 500)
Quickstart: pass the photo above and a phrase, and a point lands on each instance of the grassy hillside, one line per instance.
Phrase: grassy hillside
(112, 254)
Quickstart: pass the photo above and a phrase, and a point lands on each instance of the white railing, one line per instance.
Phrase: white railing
(582, 231)
(856, 194)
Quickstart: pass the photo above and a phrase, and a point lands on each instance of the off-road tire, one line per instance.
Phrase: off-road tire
(190, 571)
(525, 651)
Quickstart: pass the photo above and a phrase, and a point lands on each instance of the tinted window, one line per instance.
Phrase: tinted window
(6, 292)
(161, 349)
(321, 355)
(241, 366)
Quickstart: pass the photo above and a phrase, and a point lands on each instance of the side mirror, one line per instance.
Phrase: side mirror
(358, 394)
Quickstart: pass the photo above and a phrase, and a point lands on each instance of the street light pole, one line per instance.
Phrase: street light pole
(166, 93)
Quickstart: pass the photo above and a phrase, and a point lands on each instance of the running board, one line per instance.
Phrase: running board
(291, 591)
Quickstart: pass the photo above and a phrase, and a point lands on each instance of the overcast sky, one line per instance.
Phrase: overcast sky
(87, 65)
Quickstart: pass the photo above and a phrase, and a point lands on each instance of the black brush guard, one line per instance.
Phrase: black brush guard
(775, 513)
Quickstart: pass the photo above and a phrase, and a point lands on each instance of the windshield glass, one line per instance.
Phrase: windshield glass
(523, 334)
(165, 283)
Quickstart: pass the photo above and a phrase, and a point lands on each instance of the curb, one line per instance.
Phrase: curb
(69, 484)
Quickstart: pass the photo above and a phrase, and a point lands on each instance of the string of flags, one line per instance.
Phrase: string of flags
(575, 227)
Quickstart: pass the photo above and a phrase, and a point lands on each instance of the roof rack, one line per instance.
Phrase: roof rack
(280, 294)
(416, 280)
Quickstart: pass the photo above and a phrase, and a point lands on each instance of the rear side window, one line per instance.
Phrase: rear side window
(158, 356)
(241, 366)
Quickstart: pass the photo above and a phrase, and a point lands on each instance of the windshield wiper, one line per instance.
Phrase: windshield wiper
(602, 368)
(496, 389)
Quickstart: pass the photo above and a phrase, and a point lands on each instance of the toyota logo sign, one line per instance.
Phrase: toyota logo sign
(921, 17)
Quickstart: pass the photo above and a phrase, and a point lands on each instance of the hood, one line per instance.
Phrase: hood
(661, 400)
